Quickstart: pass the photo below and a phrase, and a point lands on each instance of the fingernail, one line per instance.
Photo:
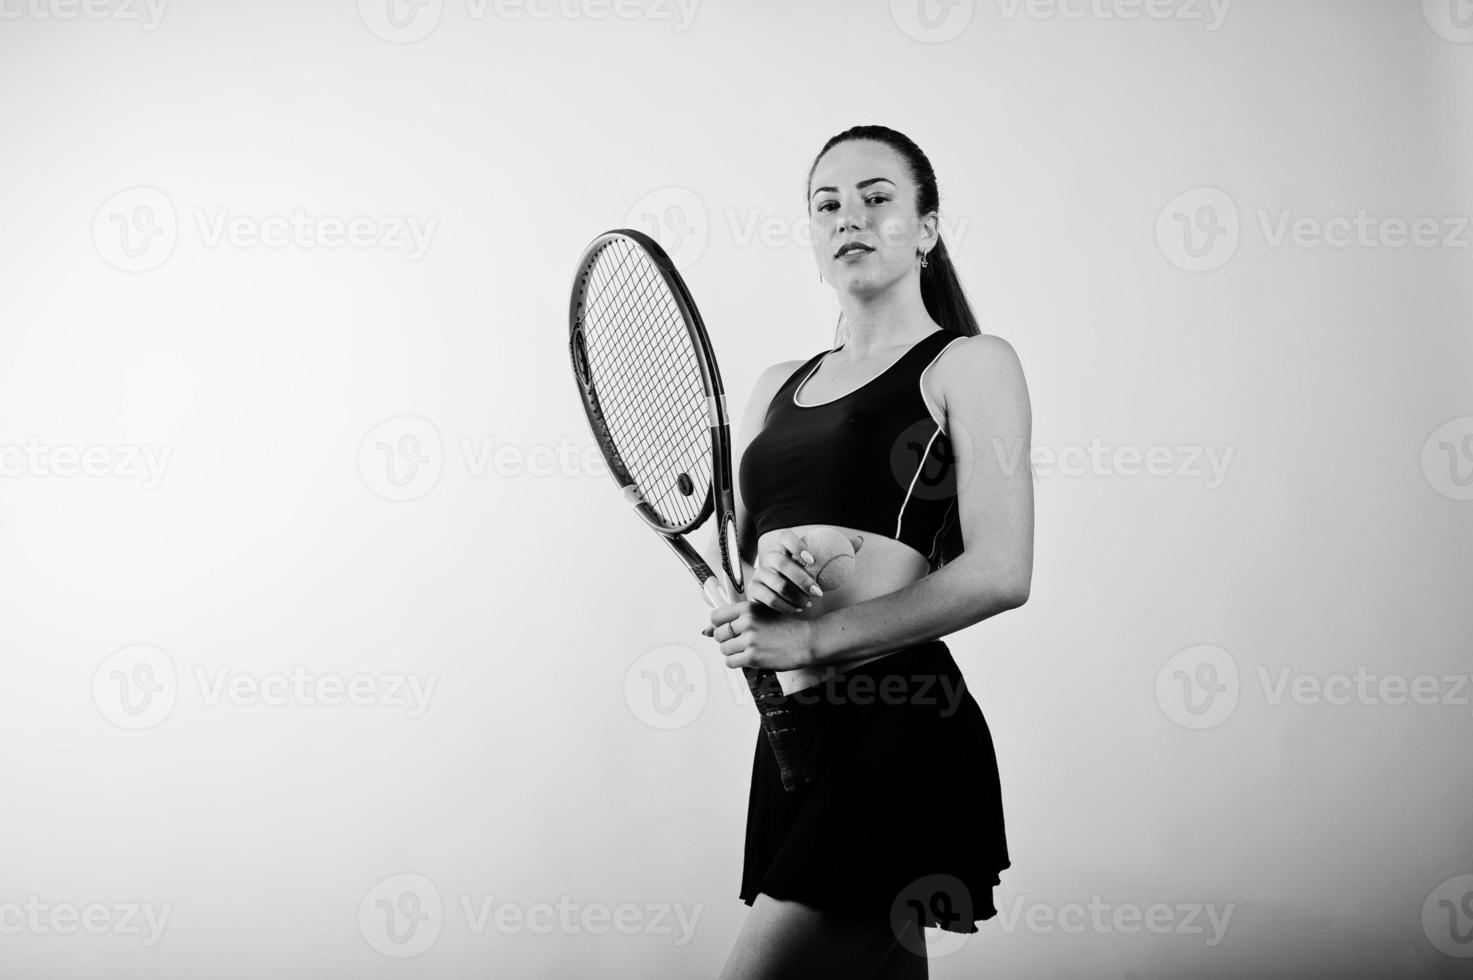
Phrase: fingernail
(815, 590)
(707, 631)
(807, 558)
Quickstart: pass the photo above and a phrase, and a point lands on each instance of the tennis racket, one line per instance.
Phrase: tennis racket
(648, 380)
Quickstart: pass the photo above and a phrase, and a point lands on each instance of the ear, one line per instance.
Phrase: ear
(930, 230)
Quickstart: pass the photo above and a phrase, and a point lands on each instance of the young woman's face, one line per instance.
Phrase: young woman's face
(862, 206)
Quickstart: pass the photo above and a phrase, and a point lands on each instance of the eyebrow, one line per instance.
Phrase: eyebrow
(861, 185)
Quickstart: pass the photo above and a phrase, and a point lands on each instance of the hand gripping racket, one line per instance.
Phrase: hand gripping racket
(648, 379)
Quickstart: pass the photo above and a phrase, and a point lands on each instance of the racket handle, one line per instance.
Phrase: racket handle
(781, 730)
(777, 721)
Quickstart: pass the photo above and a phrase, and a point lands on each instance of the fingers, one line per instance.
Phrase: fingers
(734, 648)
(794, 546)
(760, 591)
(737, 659)
(725, 613)
(785, 576)
(733, 624)
(732, 636)
(731, 627)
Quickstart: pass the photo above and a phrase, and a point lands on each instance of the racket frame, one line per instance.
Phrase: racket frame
(777, 720)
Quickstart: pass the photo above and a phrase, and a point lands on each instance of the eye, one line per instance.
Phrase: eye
(824, 205)
(877, 199)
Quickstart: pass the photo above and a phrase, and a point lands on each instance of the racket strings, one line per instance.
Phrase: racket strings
(644, 290)
(669, 369)
(648, 381)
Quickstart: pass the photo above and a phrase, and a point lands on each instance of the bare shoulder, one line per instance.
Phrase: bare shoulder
(769, 381)
(759, 400)
(774, 375)
(984, 366)
(986, 353)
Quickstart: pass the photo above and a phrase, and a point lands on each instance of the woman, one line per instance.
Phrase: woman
(911, 437)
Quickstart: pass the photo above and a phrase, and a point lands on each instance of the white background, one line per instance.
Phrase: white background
(1074, 143)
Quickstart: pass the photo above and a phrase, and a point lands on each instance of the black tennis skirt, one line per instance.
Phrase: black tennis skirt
(904, 819)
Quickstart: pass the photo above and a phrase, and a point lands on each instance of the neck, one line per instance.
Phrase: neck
(885, 319)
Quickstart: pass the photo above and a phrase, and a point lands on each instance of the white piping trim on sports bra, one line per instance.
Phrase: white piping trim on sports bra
(920, 464)
(816, 365)
(822, 357)
(921, 383)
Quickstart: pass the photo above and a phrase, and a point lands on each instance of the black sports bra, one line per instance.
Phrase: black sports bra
(873, 459)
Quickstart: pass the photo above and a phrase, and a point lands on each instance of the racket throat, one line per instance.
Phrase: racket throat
(734, 556)
(716, 410)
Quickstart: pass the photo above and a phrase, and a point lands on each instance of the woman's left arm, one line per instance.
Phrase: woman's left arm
(989, 424)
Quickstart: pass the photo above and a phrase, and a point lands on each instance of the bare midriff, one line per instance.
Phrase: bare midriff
(882, 565)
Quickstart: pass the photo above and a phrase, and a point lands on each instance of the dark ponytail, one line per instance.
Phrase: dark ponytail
(941, 290)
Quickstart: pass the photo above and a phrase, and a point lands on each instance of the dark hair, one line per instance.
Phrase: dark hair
(941, 290)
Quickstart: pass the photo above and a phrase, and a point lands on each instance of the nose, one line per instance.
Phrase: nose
(846, 219)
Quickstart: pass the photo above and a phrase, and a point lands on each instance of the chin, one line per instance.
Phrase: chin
(866, 284)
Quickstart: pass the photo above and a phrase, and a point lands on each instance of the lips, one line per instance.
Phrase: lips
(850, 248)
